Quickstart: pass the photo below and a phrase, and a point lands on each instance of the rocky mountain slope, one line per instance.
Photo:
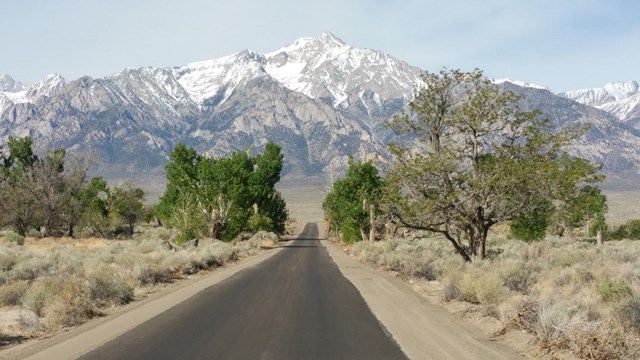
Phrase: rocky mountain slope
(318, 97)
(321, 99)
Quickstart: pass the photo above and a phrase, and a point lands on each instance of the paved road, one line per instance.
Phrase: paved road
(295, 305)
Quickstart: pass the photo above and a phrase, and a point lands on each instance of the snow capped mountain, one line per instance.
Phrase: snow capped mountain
(210, 83)
(598, 97)
(328, 68)
(621, 99)
(319, 98)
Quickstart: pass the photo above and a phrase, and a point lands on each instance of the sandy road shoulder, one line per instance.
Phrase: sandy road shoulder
(423, 330)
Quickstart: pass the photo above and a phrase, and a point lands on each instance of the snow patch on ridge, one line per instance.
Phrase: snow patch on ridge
(520, 83)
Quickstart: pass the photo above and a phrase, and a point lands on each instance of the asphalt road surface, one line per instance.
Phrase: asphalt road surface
(295, 305)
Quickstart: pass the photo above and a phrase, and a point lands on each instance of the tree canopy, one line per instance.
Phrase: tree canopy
(353, 201)
(475, 160)
(51, 194)
(217, 197)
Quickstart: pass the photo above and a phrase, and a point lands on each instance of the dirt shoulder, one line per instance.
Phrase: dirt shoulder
(423, 330)
(77, 341)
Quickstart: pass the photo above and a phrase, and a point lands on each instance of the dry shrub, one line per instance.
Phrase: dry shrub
(627, 313)
(31, 267)
(518, 276)
(418, 258)
(560, 291)
(565, 257)
(565, 326)
(216, 252)
(61, 301)
(70, 306)
(482, 288)
(535, 251)
(68, 261)
(150, 274)
(264, 238)
(474, 284)
(108, 287)
(8, 259)
(450, 290)
(368, 252)
(11, 293)
(176, 261)
(518, 312)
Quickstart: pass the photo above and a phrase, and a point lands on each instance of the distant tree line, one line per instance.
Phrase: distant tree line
(219, 198)
(52, 195)
(468, 158)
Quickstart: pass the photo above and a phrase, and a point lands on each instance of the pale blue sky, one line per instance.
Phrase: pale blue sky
(563, 44)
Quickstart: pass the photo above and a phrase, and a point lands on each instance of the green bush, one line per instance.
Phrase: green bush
(258, 222)
(630, 230)
(350, 233)
(614, 290)
(10, 236)
(185, 236)
(531, 227)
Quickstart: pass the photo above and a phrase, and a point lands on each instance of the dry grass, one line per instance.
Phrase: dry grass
(571, 296)
(65, 281)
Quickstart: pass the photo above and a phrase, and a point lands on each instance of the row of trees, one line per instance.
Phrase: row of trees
(52, 194)
(469, 159)
(219, 198)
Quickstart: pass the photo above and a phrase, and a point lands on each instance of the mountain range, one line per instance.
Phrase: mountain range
(319, 98)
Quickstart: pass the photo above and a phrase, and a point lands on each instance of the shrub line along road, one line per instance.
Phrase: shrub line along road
(296, 304)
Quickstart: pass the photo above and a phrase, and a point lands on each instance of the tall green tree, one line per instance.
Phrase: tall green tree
(49, 188)
(585, 207)
(19, 203)
(223, 195)
(351, 204)
(267, 167)
(95, 211)
(126, 202)
(481, 160)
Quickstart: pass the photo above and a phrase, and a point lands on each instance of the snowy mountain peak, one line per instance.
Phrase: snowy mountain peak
(328, 37)
(621, 99)
(611, 92)
(622, 90)
(520, 83)
(8, 84)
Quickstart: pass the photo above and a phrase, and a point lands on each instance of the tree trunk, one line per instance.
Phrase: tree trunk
(372, 225)
(21, 228)
(599, 238)
(363, 234)
(70, 229)
(568, 230)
